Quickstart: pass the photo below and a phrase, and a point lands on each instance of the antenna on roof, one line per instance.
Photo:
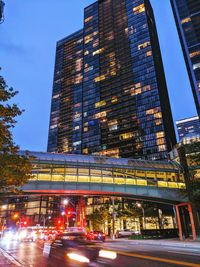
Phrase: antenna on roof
(2, 4)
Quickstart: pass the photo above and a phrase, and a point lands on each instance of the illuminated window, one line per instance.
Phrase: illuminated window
(98, 51)
(186, 20)
(78, 79)
(78, 65)
(146, 88)
(160, 134)
(100, 104)
(158, 115)
(85, 129)
(88, 38)
(100, 78)
(194, 54)
(114, 99)
(85, 151)
(88, 19)
(100, 115)
(162, 148)
(144, 45)
(139, 9)
(148, 53)
(154, 111)
(86, 52)
(150, 111)
(112, 125)
(126, 136)
(196, 66)
(77, 143)
(114, 152)
(136, 91)
(56, 96)
(77, 127)
(137, 85)
(158, 122)
(160, 141)
(88, 69)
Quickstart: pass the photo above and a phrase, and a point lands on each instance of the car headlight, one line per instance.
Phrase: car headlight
(78, 257)
(108, 254)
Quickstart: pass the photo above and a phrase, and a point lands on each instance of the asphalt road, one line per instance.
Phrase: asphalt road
(30, 254)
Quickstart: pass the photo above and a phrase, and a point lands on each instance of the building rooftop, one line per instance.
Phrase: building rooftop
(86, 159)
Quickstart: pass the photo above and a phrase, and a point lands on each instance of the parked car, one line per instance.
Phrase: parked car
(96, 235)
(71, 249)
(126, 233)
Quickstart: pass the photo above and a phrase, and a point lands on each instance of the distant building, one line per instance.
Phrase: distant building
(187, 16)
(2, 4)
(189, 129)
(109, 94)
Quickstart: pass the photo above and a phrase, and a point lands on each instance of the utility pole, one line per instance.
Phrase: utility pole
(113, 218)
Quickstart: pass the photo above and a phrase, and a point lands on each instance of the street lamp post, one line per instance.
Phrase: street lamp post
(66, 201)
(139, 205)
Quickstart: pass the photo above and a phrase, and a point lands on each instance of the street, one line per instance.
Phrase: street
(130, 254)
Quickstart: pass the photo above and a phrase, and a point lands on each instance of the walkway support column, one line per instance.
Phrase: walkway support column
(189, 207)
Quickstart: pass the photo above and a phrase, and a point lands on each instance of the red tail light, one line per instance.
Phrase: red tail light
(104, 235)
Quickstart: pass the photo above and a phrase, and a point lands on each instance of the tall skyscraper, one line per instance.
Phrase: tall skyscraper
(110, 95)
(187, 17)
(188, 129)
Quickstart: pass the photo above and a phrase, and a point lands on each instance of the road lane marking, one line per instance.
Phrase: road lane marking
(184, 253)
(182, 263)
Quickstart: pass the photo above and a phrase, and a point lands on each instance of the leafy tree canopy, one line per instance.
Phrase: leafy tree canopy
(15, 170)
(192, 151)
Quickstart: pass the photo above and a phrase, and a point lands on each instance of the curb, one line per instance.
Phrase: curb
(178, 245)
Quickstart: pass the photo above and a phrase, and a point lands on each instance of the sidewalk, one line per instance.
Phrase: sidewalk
(6, 260)
(163, 242)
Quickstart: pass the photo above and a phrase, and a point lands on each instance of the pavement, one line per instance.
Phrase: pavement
(6, 260)
(10, 259)
(164, 242)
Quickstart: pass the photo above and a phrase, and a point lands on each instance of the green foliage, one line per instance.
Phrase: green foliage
(128, 211)
(99, 217)
(192, 151)
(15, 170)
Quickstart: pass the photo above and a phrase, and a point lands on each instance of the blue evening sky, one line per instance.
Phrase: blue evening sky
(27, 54)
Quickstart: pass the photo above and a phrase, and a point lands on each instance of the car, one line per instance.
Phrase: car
(126, 233)
(96, 235)
(26, 235)
(71, 249)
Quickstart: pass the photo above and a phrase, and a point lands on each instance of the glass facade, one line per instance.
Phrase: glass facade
(66, 108)
(123, 104)
(188, 128)
(187, 16)
(98, 170)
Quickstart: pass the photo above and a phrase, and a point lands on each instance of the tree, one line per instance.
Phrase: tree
(189, 155)
(126, 211)
(193, 159)
(99, 217)
(15, 170)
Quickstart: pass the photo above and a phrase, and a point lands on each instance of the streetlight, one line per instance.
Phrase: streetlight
(65, 202)
(139, 205)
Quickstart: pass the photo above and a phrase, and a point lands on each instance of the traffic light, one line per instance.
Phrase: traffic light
(69, 213)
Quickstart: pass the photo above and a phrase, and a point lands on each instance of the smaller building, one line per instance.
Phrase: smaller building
(2, 4)
(188, 129)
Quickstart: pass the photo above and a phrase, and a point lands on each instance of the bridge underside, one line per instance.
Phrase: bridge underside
(154, 194)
